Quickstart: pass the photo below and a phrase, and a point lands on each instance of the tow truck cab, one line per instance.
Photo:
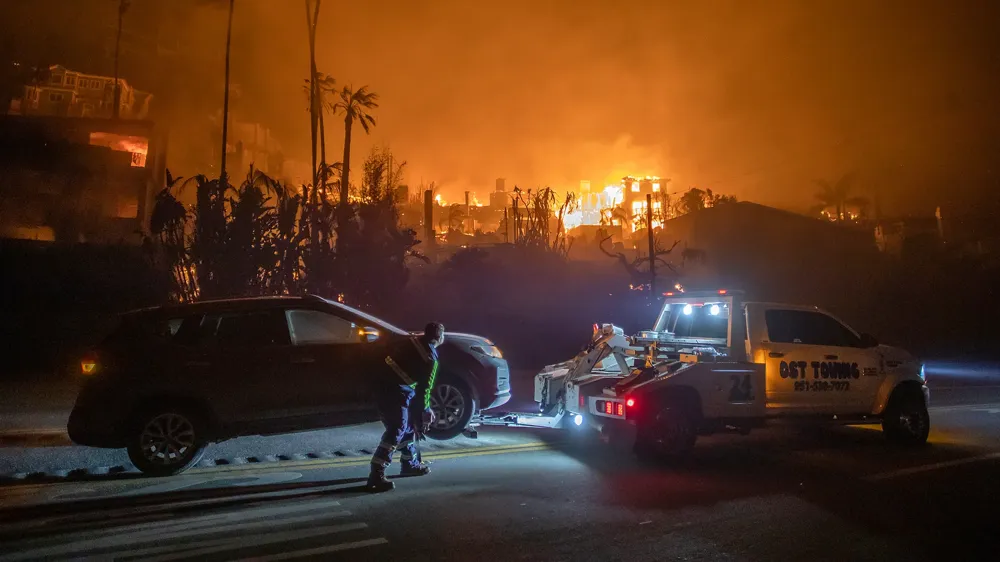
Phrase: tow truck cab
(715, 362)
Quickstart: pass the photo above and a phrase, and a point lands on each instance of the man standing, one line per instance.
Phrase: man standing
(412, 366)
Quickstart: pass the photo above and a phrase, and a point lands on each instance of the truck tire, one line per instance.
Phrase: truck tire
(669, 433)
(453, 404)
(905, 420)
(163, 441)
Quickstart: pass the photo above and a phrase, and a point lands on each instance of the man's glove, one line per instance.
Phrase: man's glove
(426, 420)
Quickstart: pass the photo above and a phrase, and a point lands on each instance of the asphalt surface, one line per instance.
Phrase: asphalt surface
(780, 493)
(784, 492)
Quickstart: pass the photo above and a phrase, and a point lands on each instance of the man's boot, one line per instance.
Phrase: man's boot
(377, 481)
(414, 468)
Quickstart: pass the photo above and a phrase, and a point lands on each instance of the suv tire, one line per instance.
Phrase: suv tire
(905, 420)
(454, 405)
(163, 441)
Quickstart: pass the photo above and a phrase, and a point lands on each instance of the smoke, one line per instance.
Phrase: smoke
(754, 99)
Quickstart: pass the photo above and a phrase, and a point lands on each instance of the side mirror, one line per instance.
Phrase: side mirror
(368, 335)
(868, 341)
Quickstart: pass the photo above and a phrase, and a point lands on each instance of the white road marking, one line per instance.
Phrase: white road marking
(140, 517)
(930, 467)
(238, 543)
(971, 407)
(118, 540)
(319, 550)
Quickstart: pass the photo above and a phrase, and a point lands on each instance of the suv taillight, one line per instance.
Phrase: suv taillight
(88, 364)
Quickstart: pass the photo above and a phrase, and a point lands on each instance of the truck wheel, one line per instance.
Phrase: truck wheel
(668, 434)
(906, 420)
(453, 405)
(166, 441)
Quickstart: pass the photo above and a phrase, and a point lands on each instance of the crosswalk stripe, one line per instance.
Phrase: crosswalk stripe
(117, 540)
(318, 550)
(238, 543)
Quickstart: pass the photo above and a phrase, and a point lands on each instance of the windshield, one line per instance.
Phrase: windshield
(698, 321)
(373, 321)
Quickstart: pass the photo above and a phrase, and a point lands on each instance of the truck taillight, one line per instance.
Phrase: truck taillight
(583, 401)
(630, 402)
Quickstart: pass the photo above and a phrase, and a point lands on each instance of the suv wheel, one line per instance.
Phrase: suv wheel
(166, 441)
(453, 405)
(906, 420)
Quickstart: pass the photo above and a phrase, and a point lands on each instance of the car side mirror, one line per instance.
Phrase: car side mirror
(368, 335)
(868, 341)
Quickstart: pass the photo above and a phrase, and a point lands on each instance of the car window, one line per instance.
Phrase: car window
(183, 330)
(808, 328)
(252, 329)
(315, 327)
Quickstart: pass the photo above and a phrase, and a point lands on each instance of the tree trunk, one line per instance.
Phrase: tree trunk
(116, 111)
(225, 104)
(324, 171)
(345, 184)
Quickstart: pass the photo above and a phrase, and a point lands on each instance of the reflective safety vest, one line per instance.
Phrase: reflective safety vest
(408, 380)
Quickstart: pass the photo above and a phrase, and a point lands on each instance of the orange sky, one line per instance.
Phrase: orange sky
(756, 99)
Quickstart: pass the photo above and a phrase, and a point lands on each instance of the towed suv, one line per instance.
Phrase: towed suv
(170, 380)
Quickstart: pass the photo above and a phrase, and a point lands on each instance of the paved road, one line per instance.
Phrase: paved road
(780, 493)
(33, 418)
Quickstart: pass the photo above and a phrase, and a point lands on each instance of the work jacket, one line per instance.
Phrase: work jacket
(413, 363)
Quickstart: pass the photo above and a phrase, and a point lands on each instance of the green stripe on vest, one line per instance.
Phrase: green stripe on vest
(430, 386)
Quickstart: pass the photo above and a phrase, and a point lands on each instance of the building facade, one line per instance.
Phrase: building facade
(68, 93)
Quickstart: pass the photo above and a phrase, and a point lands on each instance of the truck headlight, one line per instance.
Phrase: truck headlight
(488, 350)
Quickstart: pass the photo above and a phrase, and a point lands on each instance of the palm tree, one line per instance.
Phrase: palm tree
(323, 87)
(225, 101)
(123, 6)
(315, 111)
(837, 196)
(355, 106)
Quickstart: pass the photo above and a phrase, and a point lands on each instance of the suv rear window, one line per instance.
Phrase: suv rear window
(250, 329)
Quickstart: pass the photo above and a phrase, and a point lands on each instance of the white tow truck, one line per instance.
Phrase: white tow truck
(713, 362)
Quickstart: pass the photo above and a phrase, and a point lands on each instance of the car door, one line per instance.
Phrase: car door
(814, 363)
(248, 352)
(331, 357)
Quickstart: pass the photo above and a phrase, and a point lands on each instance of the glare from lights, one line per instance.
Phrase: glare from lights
(714, 311)
(630, 402)
(578, 419)
(687, 310)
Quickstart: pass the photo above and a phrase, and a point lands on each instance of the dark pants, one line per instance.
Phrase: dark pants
(394, 407)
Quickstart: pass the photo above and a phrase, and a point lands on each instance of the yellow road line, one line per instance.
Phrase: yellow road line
(283, 466)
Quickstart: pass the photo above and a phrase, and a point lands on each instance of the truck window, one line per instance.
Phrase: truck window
(808, 328)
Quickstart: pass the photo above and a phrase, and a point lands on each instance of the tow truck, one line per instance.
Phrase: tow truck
(713, 362)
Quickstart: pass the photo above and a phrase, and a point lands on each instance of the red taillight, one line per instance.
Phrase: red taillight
(630, 402)
(88, 364)
(583, 401)
(722, 291)
(620, 409)
(609, 408)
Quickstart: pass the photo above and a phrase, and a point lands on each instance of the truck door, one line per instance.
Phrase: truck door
(814, 363)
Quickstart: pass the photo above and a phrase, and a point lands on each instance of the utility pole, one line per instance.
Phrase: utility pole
(506, 227)
(652, 245)
(429, 220)
(468, 211)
